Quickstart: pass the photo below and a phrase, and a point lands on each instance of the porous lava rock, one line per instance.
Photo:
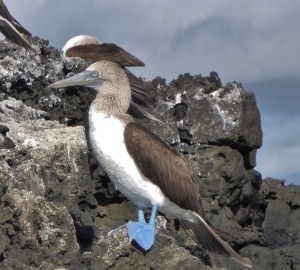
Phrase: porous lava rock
(57, 205)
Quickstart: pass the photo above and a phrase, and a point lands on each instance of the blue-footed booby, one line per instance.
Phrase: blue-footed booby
(12, 29)
(91, 49)
(143, 167)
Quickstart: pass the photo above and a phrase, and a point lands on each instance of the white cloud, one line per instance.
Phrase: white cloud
(242, 40)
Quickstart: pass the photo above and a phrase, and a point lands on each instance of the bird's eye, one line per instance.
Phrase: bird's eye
(95, 74)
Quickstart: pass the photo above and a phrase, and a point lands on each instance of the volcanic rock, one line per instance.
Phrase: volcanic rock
(57, 205)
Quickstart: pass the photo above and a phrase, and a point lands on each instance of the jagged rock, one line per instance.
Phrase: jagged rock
(32, 228)
(38, 186)
(16, 111)
(57, 205)
(280, 227)
(218, 130)
(25, 75)
(225, 116)
(56, 153)
(281, 223)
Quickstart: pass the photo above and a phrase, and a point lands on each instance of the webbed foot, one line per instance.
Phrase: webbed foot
(142, 233)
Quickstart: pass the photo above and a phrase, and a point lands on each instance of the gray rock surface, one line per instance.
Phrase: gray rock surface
(57, 205)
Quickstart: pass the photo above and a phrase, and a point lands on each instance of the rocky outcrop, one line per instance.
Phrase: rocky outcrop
(57, 205)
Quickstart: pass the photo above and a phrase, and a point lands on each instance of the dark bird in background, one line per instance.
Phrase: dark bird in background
(92, 49)
(12, 29)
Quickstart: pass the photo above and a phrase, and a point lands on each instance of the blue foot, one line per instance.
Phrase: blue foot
(141, 232)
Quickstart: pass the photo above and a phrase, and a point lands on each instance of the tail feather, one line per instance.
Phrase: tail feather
(225, 236)
(206, 237)
(201, 232)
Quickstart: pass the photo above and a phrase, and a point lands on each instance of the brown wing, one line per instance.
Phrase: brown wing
(163, 166)
(10, 32)
(141, 93)
(167, 169)
(141, 96)
(139, 111)
(104, 51)
(6, 15)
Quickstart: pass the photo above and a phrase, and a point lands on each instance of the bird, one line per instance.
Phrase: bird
(92, 49)
(143, 167)
(12, 29)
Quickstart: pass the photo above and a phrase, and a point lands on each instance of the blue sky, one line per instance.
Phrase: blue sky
(253, 42)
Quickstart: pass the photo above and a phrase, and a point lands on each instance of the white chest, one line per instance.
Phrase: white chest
(107, 140)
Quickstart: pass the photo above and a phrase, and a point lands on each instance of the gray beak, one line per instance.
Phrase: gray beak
(88, 78)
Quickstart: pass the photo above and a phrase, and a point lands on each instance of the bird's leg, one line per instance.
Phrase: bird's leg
(141, 219)
(143, 233)
(141, 215)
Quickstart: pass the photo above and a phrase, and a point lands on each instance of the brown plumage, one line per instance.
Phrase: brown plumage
(165, 167)
(12, 29)
(104, 51)
(90, 48)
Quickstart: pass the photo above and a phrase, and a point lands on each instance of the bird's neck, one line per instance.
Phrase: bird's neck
(112, 102)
